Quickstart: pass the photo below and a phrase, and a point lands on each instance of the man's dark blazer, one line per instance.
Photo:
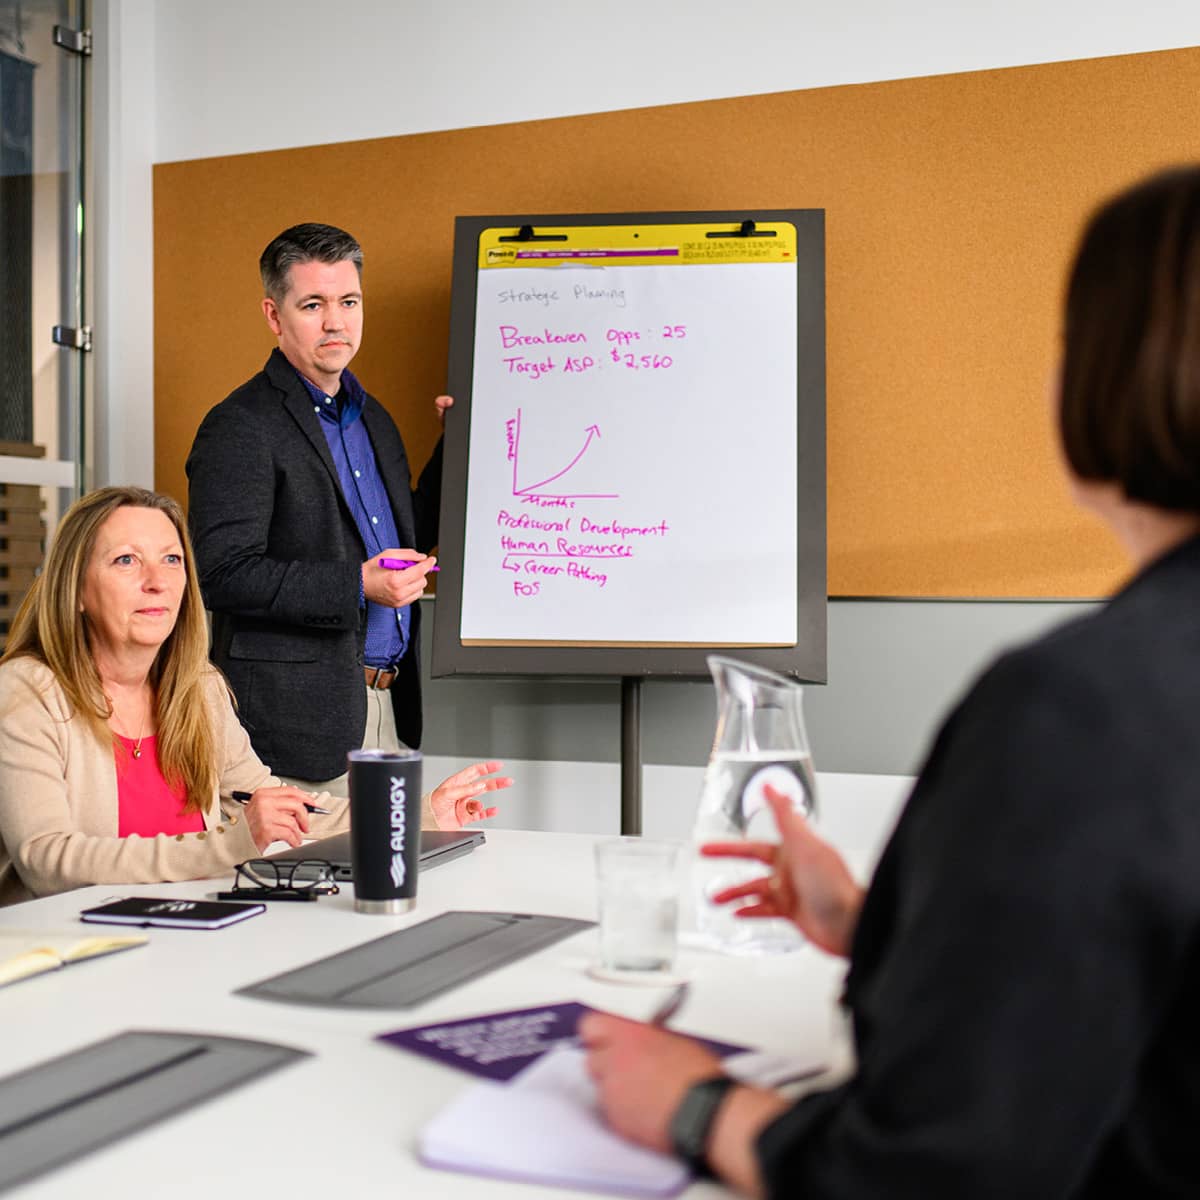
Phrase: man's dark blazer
(280, 560)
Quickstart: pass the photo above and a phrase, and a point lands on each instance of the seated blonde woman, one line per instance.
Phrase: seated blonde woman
(121, 748)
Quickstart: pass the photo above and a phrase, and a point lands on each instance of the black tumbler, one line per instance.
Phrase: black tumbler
(385, 829)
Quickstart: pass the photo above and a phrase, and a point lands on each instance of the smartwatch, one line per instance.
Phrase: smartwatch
(693, 1120)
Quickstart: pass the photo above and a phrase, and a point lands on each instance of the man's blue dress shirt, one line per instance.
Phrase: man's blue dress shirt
(362, 486)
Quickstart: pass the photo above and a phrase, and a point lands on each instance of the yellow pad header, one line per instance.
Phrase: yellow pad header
(638, 245)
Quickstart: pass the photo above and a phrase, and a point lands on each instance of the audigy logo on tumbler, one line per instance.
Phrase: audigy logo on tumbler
(398, 801)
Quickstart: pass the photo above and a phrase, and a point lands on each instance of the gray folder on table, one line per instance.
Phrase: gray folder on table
(404, 968)
(59, 1110)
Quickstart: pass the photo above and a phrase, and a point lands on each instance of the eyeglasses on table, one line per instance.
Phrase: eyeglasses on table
(268, 879)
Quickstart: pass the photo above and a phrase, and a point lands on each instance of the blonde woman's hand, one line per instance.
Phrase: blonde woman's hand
(456, 801)
(277, 814)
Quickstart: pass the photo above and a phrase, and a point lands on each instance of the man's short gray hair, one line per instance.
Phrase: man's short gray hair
(310, 242)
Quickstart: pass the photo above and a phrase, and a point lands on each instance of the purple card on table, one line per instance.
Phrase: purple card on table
(498, 1045)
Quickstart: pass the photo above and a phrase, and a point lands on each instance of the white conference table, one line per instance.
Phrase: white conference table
(345, 1121)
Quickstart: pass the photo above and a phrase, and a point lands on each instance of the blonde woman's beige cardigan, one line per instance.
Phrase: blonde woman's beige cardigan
(58, 798)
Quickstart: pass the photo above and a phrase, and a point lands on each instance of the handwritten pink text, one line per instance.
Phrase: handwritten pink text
(511, 337)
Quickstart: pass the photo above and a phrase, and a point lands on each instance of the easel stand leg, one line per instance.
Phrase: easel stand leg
(631, 756)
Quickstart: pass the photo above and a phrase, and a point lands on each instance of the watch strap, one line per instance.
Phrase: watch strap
(693, 1120)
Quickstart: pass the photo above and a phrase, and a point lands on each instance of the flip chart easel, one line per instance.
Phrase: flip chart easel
(635, 462)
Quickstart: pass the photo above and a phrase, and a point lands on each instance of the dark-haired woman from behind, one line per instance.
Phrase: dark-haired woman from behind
(1024, 974)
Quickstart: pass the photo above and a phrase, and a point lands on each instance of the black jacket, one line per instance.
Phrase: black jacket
(1025, 975)
(280, 560)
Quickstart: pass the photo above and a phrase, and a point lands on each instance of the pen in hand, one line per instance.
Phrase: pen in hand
(243, 797)
(661, 1015)
(401, 564)
(670, 1006)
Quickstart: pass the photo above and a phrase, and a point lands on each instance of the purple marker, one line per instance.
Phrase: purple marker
(400, 564)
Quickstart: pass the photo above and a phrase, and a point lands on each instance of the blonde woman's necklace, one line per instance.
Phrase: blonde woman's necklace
(137, 742)
(137, 746)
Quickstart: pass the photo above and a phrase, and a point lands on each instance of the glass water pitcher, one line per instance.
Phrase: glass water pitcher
(760, 739)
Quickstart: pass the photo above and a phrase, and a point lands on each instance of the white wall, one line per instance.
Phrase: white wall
(237, 76)
(182, 80)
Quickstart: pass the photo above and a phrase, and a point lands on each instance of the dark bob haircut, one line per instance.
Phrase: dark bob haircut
(1130, 407)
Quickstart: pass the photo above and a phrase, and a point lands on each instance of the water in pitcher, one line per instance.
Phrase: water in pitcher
(760, 739)
(733, 807)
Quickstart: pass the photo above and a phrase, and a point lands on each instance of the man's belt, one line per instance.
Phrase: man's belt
(380, 678)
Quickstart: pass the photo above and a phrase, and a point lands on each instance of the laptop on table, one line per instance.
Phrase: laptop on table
(437, 847)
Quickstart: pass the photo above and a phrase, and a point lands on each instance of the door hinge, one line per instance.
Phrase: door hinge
(73, 339)
(77, 41)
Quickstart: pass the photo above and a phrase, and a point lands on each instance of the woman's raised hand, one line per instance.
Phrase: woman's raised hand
(809, 883)
(456, 800)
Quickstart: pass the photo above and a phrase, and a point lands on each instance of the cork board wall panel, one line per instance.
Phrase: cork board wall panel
(952, 206)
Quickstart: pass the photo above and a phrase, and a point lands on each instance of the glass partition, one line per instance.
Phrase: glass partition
(43, 60)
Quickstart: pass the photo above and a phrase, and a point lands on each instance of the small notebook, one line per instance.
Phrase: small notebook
(176, 914)
(25, 952)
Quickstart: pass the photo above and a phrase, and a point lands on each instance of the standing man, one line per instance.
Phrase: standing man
(298, 486)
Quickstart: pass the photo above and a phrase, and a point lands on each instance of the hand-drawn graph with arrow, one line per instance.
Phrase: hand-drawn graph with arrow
(538, 490)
